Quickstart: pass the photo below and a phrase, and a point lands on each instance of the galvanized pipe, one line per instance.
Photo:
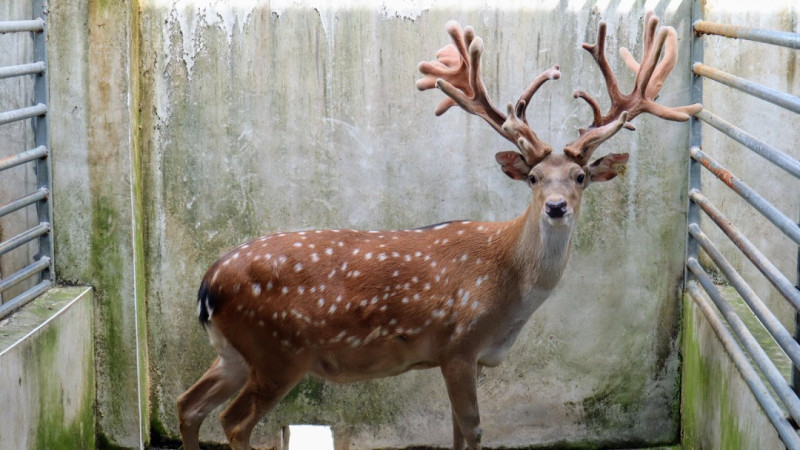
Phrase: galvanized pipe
(24, 237)
(20, 300)
(23, 113)
(24, 274)
(762, 263)
(782, 38)
(765, 316)
(17, 26)
(771, 408)
(18, 204)
(758, 202)
(767, 367)
(778, 157)
(774, 96)
(21, 158)
(22, 69)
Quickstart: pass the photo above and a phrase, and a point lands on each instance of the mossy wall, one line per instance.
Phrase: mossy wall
(48, 393)
(258, 117)
(718, 408)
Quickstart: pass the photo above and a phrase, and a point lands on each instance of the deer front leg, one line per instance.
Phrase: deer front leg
(461, 378)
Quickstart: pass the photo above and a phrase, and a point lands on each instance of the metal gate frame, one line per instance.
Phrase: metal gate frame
(42, 265)
(698, 283)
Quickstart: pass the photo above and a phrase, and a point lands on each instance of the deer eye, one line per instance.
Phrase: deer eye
(532, 179)
(580, 178)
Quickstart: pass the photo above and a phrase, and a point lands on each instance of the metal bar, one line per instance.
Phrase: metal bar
(41, 135)
(776, 156)
(22, 69)
(762, 263)
(22, 299)
(17, 26)
(749, 374)
(695, 138)
(24, 274)
(773, 375)
(773, 96)
(758, 202)
(22, 158)
(24, 237)
(765, 316)
(23, 113)
(782, 38)
(20, 203)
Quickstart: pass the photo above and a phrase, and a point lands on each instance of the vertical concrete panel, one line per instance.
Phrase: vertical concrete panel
(257, 119)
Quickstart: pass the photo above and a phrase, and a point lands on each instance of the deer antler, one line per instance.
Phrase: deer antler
(650, 76)
(457, 73)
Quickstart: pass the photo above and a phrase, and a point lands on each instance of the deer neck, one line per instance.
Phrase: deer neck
(540, 250)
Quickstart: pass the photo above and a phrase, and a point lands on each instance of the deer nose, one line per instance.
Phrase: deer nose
(555, 209)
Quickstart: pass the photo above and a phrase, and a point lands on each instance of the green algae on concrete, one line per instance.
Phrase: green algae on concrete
(46, 349)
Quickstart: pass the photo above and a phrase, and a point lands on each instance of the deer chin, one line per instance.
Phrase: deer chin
(564, 222)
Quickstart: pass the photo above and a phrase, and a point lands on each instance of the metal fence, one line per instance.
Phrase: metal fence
(39, 235)
(778, 396)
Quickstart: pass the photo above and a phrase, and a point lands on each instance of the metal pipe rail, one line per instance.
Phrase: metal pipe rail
(781, 38)
(773, 96)
(785, 224)
(20, 26)
(763, 396)
(769, 152)
(36, 68)
(696, 279)
(23, 113)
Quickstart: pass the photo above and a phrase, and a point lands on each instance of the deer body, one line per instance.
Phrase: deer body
(350, 305)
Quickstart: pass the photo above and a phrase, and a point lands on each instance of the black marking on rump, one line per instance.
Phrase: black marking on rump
(206, 302)
(428, 227)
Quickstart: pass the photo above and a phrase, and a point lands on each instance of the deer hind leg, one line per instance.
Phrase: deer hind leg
(260, 394)
(461, 378)
(226, 376)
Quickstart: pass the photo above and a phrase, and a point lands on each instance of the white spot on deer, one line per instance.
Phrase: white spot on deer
(284, 290)
(313, 289)
(395, 273)
(298, 244)
(256, 289)
(275, 315)
(374, 300)
(407, 258)
(445, 241)
(438, 278)
(255, 258)
(460, 232)
(450, 302)
(321, 302)
(282, 259)
(464, 257)
(333, 272)
(368, 255)
(314, 257)
(338, 337)
(239, 307)
(236, 288)
(329, 251)
(475, 304)
(427, 287)
(441, 227)
(465, 298)
(383, 308)
(438, 313)
(481, 279)
(355, 251)
(340, 244)
(261, 323)
(338, 299)
(364, 302)
(417, 296)
(405, 300)
(395, 254)
(490, 239)
(301, 289)
(382, 257)
(332, 309)
(322, 288)
(283, 314)
(226, 262)
(393, 322)
(268, 256)
(298, 267)
(480, 228)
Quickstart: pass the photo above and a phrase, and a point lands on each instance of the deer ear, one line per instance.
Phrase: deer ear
(513, 165)
(608, 167)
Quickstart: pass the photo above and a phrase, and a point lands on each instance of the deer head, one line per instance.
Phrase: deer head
(558, 179)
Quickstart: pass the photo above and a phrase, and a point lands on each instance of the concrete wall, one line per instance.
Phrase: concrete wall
(47, 368)
(296, 115)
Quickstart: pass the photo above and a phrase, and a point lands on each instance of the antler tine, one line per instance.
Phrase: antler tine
(457, 74)
(650, 76)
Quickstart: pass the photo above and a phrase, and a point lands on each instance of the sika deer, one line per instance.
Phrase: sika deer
(350, 305)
